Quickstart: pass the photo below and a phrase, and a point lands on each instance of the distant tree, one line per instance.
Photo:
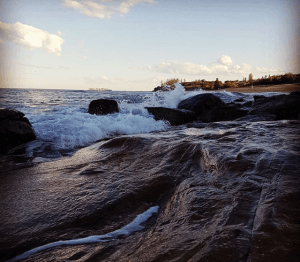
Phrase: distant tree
(251, 79)
(217, 84)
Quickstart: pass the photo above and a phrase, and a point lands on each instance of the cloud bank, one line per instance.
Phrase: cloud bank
(31, 37)
(223, 67)
(93, 9)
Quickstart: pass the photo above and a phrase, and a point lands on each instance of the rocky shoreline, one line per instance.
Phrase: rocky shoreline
(227, 190)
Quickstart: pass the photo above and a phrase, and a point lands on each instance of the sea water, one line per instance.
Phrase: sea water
(62, 123)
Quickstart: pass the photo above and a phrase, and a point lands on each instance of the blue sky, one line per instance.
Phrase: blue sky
(135, 44)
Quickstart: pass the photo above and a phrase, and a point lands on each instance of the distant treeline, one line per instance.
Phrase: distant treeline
(287, 78)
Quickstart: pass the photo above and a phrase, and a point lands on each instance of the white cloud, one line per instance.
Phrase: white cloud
(59, 32)
(225, 60)
(267, 71)
(85, 57)
(104, 11)
(31, 37)
(224, 67)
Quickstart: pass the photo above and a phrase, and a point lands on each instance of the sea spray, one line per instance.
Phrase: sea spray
(173, 98)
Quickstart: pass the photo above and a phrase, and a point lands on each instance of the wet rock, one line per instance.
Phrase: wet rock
(257, 97)
(295, 93)
(239, 100)
(196, 124)
(283, 106)
(200, 103)
(247, 104)
(15, 129)
(229, 192)
(232, 104)
(223, 113)
(103, 107)
(210, 108)
(173, 116)
(257, 118)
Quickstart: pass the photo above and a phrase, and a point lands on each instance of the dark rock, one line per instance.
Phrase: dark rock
(223, 113)
(200, 103)
(15, 129)
(239, 100)
(257, 118)
(223, 196)
(232, 104)
(257, 97)
(210, 108)
(247, 104)
(196, 124)
(173, 116)
(283, 106)
(295, 93)
(103, 107)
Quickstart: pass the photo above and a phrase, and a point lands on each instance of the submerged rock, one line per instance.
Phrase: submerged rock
(103, 107)
(15, 129)
(283, 106)
(173, 116)
(229, 192)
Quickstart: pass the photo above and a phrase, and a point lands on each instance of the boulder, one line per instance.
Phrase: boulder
(222, 113)
(200, 103)
(283, 106)
(103, 107)
(173, 116)
(15, 129)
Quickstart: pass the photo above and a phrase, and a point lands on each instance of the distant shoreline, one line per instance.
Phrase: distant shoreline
(265, 88)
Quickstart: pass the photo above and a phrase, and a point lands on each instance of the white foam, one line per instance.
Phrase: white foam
(70, 130)
(173, 98)
(135, 225)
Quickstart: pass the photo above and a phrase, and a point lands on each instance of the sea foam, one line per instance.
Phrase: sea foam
(135, 225)
(69, 127)
(70, 130)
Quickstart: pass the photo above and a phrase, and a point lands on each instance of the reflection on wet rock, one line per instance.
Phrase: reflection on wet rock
(226, 192)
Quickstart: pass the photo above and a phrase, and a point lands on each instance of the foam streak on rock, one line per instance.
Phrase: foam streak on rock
(135, 225)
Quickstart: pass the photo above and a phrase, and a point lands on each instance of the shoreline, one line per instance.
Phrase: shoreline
(265, 88)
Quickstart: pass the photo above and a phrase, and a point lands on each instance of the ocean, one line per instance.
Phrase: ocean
(63, 125)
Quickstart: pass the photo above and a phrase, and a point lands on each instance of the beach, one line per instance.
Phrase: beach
(266, 88)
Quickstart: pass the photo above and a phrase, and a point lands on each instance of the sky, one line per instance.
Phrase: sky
(136, 44)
